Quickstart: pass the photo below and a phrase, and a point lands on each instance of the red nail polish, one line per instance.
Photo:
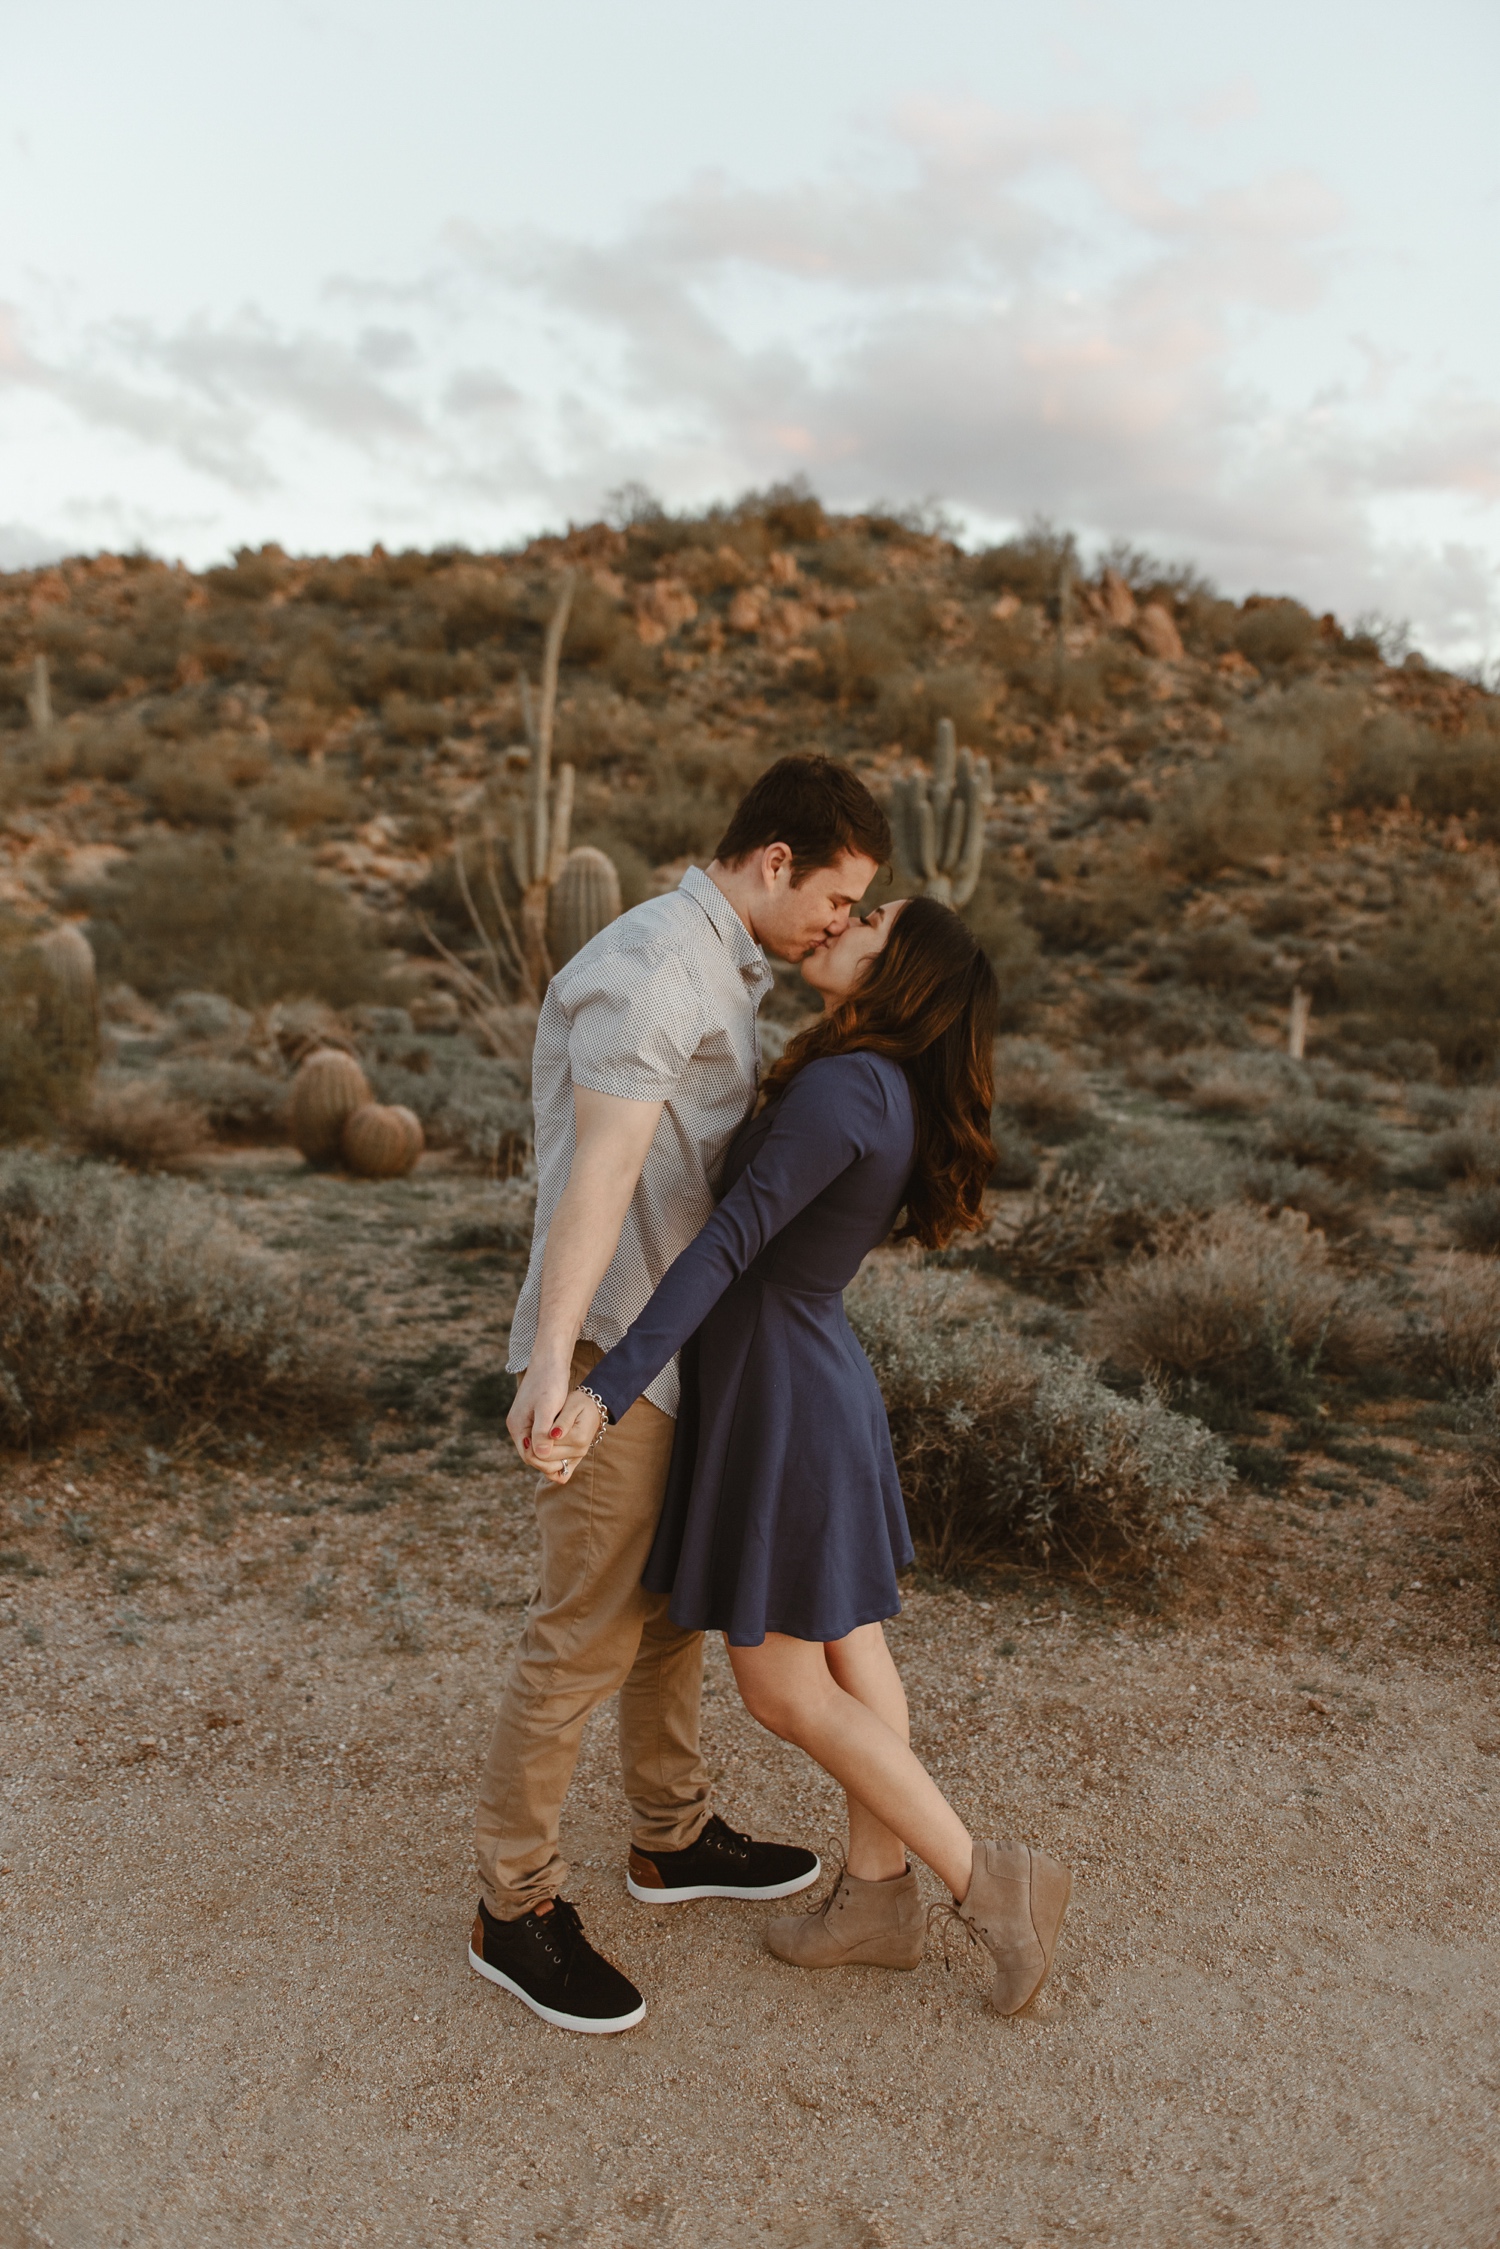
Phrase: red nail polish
(555, 1432)
(526, 1442)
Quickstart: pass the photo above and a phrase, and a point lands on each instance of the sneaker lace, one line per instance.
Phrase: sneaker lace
(561, 1931)
(729, 1840)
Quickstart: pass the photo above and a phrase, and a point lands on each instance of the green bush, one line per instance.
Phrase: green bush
(1322, 1133)
(1262, 797)
(1434, 974)
(1272, 633)
(1246, 1306)
(248, 917)
(1007, 1451)
(121, 1295)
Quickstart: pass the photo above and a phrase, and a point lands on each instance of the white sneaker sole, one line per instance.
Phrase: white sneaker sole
(589, 2024)
(722, 1890)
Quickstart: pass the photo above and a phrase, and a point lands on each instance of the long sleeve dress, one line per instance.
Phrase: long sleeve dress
(783, 1508)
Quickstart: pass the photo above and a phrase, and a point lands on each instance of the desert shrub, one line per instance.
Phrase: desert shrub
(1470, 1150)
(1330, 1205)
(846, 560)
(1017, 1157)
(141, 1124)
(1445, 775)
(113, 748)
(880, 637)
(1323, 1133)
(300, 797)
(1172, 1021)
(1109, 1197)
(1260, 798)
(254, 576)
(1030, 566)
(1244, 1305)
(1275, 632)
(1434, 974)
(911, 703)
(1476, 1222)
(1011, 946)
(1222, 957)
(188, 788)
(249, 917)
(137, 1295)
(1039, 1089)
(1004, 1450)
(1456, 1329)
(237, 1101)
(1121, 892)
(1228, 1092)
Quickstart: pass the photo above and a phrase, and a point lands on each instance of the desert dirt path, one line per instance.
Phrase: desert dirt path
(236, 2008)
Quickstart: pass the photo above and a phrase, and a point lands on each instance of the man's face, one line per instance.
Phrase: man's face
(791, 918)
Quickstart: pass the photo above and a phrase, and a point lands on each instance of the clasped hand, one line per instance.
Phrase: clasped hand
(558, 1450)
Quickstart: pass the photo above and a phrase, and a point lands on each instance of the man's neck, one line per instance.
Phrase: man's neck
(739, 888)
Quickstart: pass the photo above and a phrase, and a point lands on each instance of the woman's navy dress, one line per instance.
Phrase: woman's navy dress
(783, 1510)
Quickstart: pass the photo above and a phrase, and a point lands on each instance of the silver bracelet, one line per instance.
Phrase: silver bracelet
(604, 1413)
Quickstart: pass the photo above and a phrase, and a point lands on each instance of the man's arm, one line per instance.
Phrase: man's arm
(612, 1136)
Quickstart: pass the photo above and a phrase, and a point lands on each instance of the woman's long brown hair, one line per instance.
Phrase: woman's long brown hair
(928, 1000)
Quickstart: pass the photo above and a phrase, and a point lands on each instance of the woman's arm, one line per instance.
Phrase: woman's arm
(828, 1117)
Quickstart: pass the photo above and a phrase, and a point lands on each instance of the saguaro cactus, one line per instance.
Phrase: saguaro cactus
(39, 696)
(938, 824)
(539, 845)
(585, 898)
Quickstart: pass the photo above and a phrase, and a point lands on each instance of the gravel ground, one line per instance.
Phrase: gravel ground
(237, 1892)
(243, 1703)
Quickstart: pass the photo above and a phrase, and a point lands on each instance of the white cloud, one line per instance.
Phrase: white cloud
(1015, 315)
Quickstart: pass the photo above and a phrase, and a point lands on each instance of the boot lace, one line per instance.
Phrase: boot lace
(945, 1913)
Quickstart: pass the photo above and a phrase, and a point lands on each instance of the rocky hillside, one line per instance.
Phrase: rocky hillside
(1199, 805)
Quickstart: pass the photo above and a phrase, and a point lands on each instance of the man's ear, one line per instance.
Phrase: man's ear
(776, 856)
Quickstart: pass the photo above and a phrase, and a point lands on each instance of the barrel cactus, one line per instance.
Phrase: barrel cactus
(328, 1087)
(585, 897)
(68, 994)
(379, 1142)
(938, 824)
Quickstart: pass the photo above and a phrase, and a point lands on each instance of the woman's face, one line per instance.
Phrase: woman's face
(835, 967)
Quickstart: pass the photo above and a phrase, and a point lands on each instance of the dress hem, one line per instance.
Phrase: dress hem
(785, 1632)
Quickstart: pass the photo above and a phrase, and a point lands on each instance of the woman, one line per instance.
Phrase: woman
(783, 1526)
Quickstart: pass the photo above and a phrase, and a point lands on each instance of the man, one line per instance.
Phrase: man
(646, 1064)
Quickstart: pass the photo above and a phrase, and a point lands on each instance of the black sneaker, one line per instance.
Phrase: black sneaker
(721, 1864)
(547, 1961)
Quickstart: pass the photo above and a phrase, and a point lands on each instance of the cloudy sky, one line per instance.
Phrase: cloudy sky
(1218, 281)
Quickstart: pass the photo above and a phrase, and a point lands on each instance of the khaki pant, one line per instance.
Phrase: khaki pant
(591, 1629)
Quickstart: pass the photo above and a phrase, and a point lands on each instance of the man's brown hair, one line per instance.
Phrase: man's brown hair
(815, 806)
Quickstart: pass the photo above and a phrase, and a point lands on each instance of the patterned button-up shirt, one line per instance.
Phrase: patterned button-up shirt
(660, 1006)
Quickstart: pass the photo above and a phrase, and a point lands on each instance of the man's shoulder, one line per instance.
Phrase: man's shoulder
(666, 928)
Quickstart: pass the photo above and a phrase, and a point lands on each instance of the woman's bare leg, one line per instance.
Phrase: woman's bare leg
(790, 1687)
(862, 1665)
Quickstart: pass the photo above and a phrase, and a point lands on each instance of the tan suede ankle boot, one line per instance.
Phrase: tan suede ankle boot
(858, 1925)
(1015, 1905)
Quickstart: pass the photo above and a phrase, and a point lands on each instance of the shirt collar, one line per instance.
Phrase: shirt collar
(743, 950)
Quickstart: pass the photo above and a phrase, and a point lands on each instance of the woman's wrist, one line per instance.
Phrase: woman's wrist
(594, 1399)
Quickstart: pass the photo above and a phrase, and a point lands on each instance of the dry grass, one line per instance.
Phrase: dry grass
(1037, 1088)
(128, 1296)
(1005, 1450)
(1458, 1324)
(1249, 1306)
(248, 917)
(141, 1125)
